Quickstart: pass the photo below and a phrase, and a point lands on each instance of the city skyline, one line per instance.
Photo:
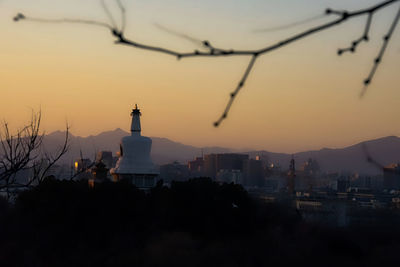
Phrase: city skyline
(302, 97)
(233, 149)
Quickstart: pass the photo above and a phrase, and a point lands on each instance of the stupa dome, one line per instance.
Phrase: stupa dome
(135, 161)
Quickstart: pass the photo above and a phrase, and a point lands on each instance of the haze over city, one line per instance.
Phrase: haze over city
(300, 97)
(199, 133)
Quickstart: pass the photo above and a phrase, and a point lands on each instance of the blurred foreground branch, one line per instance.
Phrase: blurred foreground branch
(117, 31)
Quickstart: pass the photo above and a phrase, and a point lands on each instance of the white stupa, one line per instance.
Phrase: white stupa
(135, 163)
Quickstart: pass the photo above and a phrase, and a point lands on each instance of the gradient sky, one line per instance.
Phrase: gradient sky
(300, 97)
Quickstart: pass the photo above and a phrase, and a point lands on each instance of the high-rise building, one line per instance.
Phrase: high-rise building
(291, 177)
(214, 163)
(391, 177)
(196, 167)
(253, 173)
(210, 168)
(230, 161)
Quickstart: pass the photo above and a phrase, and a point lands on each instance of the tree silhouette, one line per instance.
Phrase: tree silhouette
(117, 30)
(192, 223)
(24, 151)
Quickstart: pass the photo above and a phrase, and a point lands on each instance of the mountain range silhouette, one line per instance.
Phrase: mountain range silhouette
(349, 159)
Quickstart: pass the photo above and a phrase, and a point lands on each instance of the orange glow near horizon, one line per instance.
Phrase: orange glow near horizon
(300, 97)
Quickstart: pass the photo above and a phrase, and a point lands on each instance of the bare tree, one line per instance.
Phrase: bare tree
(117, 30)
(41, 167)
(24, 151)
(84, 169)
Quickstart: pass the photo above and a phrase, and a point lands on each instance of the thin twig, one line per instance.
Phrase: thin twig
(254, 54)
(123, 15)
(370, 159)
(378, 60)
(290, 25)
(237, 90)
(363, 38)
(64, 20)
(179, 34)
(109, 15)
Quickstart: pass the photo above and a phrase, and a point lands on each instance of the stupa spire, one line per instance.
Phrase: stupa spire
(135, 125)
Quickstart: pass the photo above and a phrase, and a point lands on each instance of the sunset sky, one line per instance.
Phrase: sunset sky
(299, 97)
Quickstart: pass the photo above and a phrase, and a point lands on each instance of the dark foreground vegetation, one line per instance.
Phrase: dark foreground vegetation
(194, 223)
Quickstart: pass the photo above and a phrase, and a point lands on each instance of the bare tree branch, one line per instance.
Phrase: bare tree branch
(195, 41)
(123, 15)
(370, 159)
(237, 90)
(108, 13)
(49, 160)
(364, 38)
(22, 152)
(342, 16)
(290, 25)
(20, 16)
(84, 168)
(378, 60)
(18, 151)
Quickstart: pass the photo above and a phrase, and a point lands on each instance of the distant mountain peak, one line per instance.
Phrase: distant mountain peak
(59, 133)
(381, 140)
(119, 130)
